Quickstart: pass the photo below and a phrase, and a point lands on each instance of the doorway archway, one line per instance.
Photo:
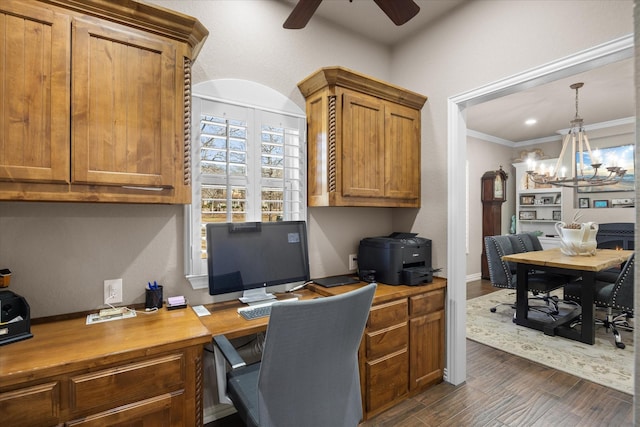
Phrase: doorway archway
(597, 56)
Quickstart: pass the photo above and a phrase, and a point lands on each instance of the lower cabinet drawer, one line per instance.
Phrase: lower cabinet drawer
(386, 341)
(387, 380)
(427, 302)
(29, 406)
(127, 383)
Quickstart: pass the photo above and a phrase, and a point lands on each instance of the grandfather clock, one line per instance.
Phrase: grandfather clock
(493, 195)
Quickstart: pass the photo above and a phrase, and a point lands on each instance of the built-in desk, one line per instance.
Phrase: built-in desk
(146, 369)
(402, 350)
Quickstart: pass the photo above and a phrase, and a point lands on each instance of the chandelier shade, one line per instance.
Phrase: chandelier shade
(588, 168)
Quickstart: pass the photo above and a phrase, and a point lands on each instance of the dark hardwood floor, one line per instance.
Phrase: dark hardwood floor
(504, 390)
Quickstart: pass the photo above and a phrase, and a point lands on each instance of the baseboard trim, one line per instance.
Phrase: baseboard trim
(474, 277)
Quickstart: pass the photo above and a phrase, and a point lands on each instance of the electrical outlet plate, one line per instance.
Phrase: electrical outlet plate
(113, 291)
(353, 262)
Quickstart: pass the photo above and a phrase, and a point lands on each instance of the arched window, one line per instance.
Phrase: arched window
(249, 162)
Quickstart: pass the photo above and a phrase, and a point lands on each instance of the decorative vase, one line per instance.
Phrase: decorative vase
(577, 238)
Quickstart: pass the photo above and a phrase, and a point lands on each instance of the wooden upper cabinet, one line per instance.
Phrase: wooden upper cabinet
(95, 101)
(123, 97)
(34, 93)
(363, 140)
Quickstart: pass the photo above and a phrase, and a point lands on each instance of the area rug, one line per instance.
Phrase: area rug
(602, 363)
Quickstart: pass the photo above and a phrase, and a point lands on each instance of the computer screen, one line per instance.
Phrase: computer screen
(250, 255)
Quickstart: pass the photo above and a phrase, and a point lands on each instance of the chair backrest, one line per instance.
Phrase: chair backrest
(502, 273)
(309, 372)
(622, 293)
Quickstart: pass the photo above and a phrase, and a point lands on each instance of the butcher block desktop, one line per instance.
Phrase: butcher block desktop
(146, 369)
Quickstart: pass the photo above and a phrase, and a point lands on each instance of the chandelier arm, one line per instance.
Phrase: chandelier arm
(581, 150)
(574, 166)
(565, 142)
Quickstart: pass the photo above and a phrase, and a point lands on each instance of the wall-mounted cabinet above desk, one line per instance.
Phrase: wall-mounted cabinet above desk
(95, 101)
(363, 139)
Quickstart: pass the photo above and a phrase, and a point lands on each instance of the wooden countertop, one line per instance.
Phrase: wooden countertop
(225, 320)
(384, 292)
(603, 259)
(66, 345)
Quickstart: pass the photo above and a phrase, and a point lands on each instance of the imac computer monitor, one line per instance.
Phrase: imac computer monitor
(248, 257)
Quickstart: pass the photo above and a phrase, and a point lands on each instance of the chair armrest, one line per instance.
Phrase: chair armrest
(229, 352)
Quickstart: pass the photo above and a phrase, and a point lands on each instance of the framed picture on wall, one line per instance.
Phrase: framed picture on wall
(583, 202)
(623, 156)
(557, 215)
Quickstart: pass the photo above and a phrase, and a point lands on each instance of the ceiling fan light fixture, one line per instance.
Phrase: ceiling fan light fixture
(399, 11)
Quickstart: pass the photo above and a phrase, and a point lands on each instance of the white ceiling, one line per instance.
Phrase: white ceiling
(608, 93)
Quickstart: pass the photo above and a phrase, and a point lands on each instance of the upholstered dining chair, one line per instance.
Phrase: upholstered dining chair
(308, 375)
(616, 296)
(503, 274)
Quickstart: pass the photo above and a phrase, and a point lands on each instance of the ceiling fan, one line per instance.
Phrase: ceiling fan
(399, 11)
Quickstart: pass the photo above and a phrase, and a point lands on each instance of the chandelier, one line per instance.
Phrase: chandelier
(577, 178)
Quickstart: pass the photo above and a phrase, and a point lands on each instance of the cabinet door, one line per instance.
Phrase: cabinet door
(362, 146)
(402, 152)
(123, 93)
(426, 337)
(34, 94)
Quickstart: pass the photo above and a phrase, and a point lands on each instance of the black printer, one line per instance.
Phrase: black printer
(398, 259)
(15, 318)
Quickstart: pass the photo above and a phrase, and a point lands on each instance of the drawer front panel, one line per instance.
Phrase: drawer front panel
(37, 405)
(389, 314)
(386, 341)
(427, 303)
(387, 380)
(127, 383)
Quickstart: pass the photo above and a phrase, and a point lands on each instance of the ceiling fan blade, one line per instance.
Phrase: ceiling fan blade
(399, 11)
(301, 14)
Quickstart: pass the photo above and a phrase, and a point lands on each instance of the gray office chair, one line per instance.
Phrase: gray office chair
(308, 375)
(617, 295)
(503, 274)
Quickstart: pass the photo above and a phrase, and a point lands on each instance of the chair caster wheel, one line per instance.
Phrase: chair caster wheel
(493, 309)
(620, 345)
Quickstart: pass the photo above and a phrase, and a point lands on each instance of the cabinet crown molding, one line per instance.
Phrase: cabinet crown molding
(150, 18)
(344, 77)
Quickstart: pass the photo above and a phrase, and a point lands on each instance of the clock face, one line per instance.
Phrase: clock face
(498, 187)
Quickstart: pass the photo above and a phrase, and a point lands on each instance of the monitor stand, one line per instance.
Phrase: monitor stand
(253, 296)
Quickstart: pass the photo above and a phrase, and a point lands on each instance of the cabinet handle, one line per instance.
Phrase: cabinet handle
(131, 187)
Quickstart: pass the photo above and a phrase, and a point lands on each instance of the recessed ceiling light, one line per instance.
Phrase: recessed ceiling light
(530, 122)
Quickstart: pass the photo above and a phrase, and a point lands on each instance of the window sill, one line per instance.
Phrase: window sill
(199, 282)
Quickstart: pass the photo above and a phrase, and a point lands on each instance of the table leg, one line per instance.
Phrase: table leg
(522, 286)
(587, 301)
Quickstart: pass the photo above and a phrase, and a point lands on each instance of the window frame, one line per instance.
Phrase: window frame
(236, 94)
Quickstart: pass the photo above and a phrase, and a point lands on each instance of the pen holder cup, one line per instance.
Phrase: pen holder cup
(153, 298)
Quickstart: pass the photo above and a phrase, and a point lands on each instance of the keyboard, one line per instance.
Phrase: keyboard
(257, 311)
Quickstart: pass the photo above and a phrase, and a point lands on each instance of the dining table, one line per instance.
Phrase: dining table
(577, 322)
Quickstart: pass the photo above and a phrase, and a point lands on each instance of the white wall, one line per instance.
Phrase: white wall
(481, 43)
(485, 157)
